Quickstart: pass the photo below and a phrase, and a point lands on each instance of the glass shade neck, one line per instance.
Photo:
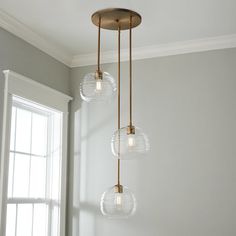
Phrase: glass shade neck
(130, 129)
(118, 188)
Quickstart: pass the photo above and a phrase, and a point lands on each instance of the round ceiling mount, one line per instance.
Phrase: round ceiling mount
(113, 18)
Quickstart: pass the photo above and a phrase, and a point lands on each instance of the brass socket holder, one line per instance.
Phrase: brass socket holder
(118, 188)
(98, 74)
(130, 129)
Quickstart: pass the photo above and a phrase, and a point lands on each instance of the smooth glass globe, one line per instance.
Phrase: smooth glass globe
(129, 146)
(118, 205)
(94, 89)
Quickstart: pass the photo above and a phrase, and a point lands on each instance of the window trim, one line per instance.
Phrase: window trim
(19, 85)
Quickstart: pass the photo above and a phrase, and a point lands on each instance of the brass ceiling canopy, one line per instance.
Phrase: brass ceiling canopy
(113, 18)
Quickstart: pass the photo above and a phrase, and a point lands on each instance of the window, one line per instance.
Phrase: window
(34, 170)
(33, 159)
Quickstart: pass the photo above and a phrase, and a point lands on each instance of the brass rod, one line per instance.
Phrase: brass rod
(130, 72)
(99, 43)
(118, 106)
(118, 162)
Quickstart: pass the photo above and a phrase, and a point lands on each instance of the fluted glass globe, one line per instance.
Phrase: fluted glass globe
(118, 205)
(96, 89)
(129, 146)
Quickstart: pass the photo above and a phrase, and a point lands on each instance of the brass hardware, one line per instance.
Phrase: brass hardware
(118, 162)
(98, 74)
(99, 44)
(118, 188)
(130, 73)
(111, 16)
(130, 129)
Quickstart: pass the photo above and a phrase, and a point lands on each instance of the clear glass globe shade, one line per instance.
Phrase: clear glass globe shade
(92, 89)
(129, 146)
(118, 205)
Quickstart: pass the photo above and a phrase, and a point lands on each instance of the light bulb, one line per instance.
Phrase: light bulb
(98, 85)
(118, 199)
(131, 141)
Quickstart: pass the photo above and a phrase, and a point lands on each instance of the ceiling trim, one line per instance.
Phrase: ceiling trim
(17, 28)
(161, 50)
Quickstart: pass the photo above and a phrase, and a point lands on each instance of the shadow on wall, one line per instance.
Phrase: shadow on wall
(95, 171)
(91, 124)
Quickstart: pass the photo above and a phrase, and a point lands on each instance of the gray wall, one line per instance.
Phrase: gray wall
(187, 183)
(187, 106)
(21, 57)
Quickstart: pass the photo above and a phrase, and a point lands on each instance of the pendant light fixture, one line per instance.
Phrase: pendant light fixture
(127, 142)
(118, 201)
(130, 142)
(97, 86)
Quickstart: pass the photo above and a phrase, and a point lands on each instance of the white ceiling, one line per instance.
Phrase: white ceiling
(66, 24)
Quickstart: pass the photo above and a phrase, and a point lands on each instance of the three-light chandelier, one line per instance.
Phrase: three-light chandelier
(128, 142)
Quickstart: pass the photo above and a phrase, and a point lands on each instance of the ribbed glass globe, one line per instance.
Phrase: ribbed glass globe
(118, 205)
(129, 146)
(93, 89)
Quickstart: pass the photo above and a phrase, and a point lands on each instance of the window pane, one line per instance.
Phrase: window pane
(24, 220)
(11, 220)
(55, 221)
(56, 131)
(23, 130)
(40, 220)
(21, 176)
(10, 174)
(39, 134)
(34, 170)
(13, 127)
(55, 175)
(38, 177)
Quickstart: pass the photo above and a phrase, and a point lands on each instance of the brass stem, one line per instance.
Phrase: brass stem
(119, 106)
(130, 72)
(99, 44)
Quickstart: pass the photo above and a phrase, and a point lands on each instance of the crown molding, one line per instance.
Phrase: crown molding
(161, 50)
(17, 28)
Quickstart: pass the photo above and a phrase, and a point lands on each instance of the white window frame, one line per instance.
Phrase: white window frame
(18, 85)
